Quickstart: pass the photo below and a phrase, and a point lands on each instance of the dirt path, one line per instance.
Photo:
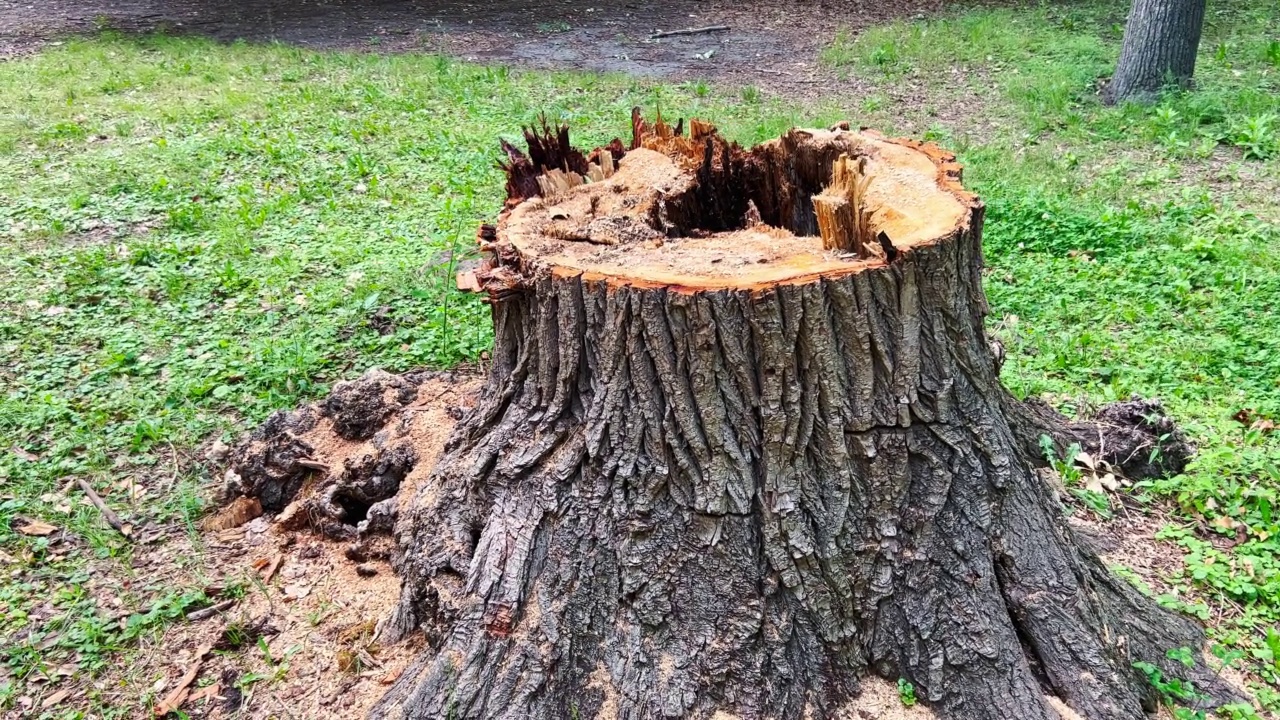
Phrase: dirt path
(771, 45)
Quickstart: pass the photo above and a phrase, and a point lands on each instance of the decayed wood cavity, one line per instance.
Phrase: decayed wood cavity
(696, 211)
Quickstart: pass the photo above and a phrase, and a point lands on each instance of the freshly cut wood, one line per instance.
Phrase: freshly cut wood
(722, 468)
(843, 215)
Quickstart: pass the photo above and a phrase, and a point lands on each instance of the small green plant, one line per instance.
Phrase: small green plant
(1173, 692)
(906, 692)
(1258, 136)
(1272, 53)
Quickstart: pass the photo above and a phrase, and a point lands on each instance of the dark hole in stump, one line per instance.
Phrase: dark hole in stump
(354, 510)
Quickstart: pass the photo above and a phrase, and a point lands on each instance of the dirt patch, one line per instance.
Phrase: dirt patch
(303, 638)
(770, 45)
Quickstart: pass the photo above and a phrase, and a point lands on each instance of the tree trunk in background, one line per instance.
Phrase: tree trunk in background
(1161, 39)
(720, 472)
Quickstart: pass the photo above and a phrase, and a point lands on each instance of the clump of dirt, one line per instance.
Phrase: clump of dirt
(1138, 437)
(360, 408)
(361, 499)
(272, 463)
(337, 467)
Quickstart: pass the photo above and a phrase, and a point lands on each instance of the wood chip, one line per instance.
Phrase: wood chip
(240, 511)
(179, 693)
(54, 699)
(208, 691)
(468, 282)
(271, 569)
(37, 528)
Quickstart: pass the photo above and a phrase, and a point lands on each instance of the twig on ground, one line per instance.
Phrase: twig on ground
(689, 31)
(108, 514)
(210, 611)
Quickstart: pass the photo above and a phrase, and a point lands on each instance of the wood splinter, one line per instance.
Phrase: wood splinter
(844, 221)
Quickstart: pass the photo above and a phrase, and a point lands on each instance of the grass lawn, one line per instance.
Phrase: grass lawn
(197, 234)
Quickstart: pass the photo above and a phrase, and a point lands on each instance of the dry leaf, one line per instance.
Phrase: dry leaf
(38, 528)
(1086, 460)
(28, 456)
(54, 699)
(178, 695)
(296, 592)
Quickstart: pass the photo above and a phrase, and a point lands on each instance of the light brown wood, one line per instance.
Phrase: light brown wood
(843, 215)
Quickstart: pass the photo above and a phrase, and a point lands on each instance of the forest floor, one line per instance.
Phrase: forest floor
(199, 231)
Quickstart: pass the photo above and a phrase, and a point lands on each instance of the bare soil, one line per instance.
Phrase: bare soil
(771, 45)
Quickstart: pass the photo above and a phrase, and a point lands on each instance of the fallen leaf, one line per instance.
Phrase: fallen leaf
(1086, 460)
(28, 456)
(37, 528)
(54, 699)
(179, 694)
(296, 592)
(1245, 416)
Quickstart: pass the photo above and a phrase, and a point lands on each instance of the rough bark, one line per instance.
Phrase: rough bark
(1160, 43)
(737, 496)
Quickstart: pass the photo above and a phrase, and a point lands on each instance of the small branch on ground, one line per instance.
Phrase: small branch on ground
(108, 514)
(689, 31)
(210, 611)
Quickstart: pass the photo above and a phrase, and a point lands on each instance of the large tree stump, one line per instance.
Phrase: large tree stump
(720, 472)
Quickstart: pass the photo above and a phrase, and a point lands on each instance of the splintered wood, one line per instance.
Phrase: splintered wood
(555, 182)
(843, 218)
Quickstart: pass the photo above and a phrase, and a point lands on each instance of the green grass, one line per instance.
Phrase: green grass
(197, 234)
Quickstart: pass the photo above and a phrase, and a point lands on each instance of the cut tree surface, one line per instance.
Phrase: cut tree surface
(719, 471)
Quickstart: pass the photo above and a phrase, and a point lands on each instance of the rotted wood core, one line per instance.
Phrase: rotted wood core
(723, 467)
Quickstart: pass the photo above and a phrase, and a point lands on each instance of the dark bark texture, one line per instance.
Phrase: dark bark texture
(740, 502)
(1160, 43)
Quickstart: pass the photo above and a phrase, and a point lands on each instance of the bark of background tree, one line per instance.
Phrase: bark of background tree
(699, 484)
(1161, 39)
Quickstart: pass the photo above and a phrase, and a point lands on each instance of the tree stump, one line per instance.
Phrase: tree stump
(719, 471)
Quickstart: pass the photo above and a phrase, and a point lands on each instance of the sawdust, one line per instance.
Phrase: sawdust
(319, 655)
